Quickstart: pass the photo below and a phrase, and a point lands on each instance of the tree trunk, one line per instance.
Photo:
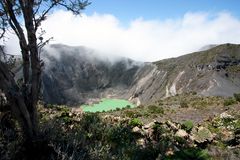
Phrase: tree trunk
(24, 99)
(17, 101)
(28, 14)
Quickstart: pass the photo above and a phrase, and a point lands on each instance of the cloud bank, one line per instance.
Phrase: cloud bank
(143, 40)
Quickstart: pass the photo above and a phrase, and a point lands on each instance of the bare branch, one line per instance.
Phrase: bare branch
(42, 17)
(75, 6)
(13, 22)
(3, 32)
(38, 4)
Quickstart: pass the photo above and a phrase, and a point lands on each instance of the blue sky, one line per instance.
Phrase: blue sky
(127, 10)
(145, 30)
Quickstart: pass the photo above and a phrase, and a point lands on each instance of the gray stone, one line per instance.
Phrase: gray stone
(181, 133)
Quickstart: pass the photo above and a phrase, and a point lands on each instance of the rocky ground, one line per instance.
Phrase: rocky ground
(180, 127)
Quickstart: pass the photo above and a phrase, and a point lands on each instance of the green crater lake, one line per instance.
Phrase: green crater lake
(107, 105)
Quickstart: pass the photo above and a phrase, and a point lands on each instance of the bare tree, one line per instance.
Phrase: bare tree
(24, 18)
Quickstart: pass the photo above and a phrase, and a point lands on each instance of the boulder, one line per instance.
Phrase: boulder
(227, 136)
(136, 130)
(181, 133)
(141, 142)
(201, 135)
(225, 115)
(149, 125)
(169, 152)
(172, 125)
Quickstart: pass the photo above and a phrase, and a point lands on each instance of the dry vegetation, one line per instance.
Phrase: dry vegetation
(165, 130)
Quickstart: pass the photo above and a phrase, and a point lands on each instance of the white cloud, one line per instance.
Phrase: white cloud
(144, 40)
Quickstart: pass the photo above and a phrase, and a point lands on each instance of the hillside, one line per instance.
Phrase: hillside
(203, 128)
(73, 75)
(212, 72)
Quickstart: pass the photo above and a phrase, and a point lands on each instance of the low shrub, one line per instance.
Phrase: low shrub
(237, 124)
(229, 101)
(194, 93)
(158, 130)
(237, 96)
(160, 102)
(190, 153)
(128, 106)
(135, 122)
(65, 117)
(187, 125)
(132, 113)
(129, 113)
(119, 135)
(183, 104)
(155, 109)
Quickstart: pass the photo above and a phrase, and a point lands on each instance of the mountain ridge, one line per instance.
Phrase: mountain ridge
(80, 75)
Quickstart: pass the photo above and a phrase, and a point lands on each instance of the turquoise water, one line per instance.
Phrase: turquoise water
(107, 105)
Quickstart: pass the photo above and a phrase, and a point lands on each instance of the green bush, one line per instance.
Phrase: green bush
(158, 130)
(187, 125)
(62, 108)
(135, 122)
(237, 125)
(119, 135)
(90, 121)
(237, 96)
(128, 106)
(49, 105)
(229, 101)
(129, 113)
(65, 117)
(160, 102)
(183, 104)
(194, 93)
(132, 114)
(155, 109)
(67, 120)
(146, 114)
(190, 153)
(180, 140)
